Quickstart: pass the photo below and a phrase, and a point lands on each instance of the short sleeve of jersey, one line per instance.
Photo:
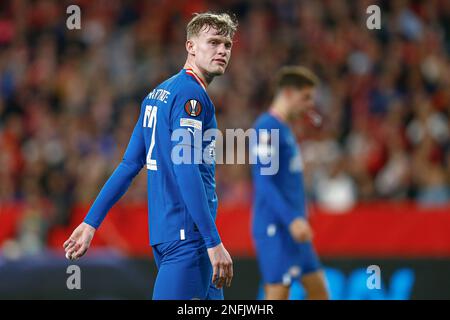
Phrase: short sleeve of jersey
(191, 111)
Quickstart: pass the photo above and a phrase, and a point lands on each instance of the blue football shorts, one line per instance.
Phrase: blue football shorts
(184, 271)
(281, 259)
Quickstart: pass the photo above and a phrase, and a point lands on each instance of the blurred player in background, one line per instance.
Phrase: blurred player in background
(191, 259)
(281, 232)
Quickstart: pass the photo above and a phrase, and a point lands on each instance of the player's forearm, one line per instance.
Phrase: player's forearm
(194, 196)
(277, 203)
(120, 180)
(111, 192)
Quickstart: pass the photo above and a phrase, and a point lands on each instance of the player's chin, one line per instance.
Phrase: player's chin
(218, 70)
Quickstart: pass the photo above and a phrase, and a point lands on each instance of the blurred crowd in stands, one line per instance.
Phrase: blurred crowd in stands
(69, 98)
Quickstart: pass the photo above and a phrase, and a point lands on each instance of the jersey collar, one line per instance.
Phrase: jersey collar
(191, 72)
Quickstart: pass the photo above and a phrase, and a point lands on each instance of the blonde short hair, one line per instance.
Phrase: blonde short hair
(225, 24)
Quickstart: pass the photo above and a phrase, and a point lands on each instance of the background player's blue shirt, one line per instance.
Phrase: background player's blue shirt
(182, 201)
(278, 198)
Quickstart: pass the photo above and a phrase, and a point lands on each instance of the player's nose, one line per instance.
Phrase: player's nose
(222, 50)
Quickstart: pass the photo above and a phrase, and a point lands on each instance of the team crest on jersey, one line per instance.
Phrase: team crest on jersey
(193, 107)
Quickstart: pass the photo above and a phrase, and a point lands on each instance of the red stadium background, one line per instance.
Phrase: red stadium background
(392, 235)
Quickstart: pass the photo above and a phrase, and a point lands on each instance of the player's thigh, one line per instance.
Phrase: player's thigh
(276, 291)
(312, 276)
(315, 286)
(184, 274)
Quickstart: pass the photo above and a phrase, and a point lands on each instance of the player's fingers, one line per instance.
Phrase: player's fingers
(226, 273)
(228, 277)
(70, 246)
(68, 242)
(215, 273)
(217, 277)
(230, 274)
(81, 251)
(73, 249)
(222, 276)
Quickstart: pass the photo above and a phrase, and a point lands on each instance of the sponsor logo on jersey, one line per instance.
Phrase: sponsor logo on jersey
(188, 122)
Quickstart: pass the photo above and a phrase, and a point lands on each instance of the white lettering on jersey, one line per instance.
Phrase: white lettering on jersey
(159, 94)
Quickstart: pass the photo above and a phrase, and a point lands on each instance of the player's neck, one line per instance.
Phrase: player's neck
(204, 79)
(279, 111)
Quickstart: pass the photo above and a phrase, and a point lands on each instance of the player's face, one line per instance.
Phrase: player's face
(302, 100)
(212, 51)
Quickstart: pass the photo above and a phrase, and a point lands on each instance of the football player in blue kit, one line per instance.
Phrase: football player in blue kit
(182, 203)
(281, 232)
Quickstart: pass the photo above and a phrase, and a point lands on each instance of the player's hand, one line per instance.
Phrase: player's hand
(222, 266)
(79, 242)
(300, 230)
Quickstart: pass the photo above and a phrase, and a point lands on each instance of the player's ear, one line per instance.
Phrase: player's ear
(190, 46)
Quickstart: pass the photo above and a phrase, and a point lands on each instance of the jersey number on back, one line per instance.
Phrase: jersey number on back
(150, 122)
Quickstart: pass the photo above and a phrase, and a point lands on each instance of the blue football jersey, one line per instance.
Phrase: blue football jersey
(278, 198)
(182, 202)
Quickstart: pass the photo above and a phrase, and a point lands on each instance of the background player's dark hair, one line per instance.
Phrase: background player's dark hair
(295, 76)
(225, 24)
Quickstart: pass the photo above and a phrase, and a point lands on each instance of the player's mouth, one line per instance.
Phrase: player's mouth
(221, 61)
